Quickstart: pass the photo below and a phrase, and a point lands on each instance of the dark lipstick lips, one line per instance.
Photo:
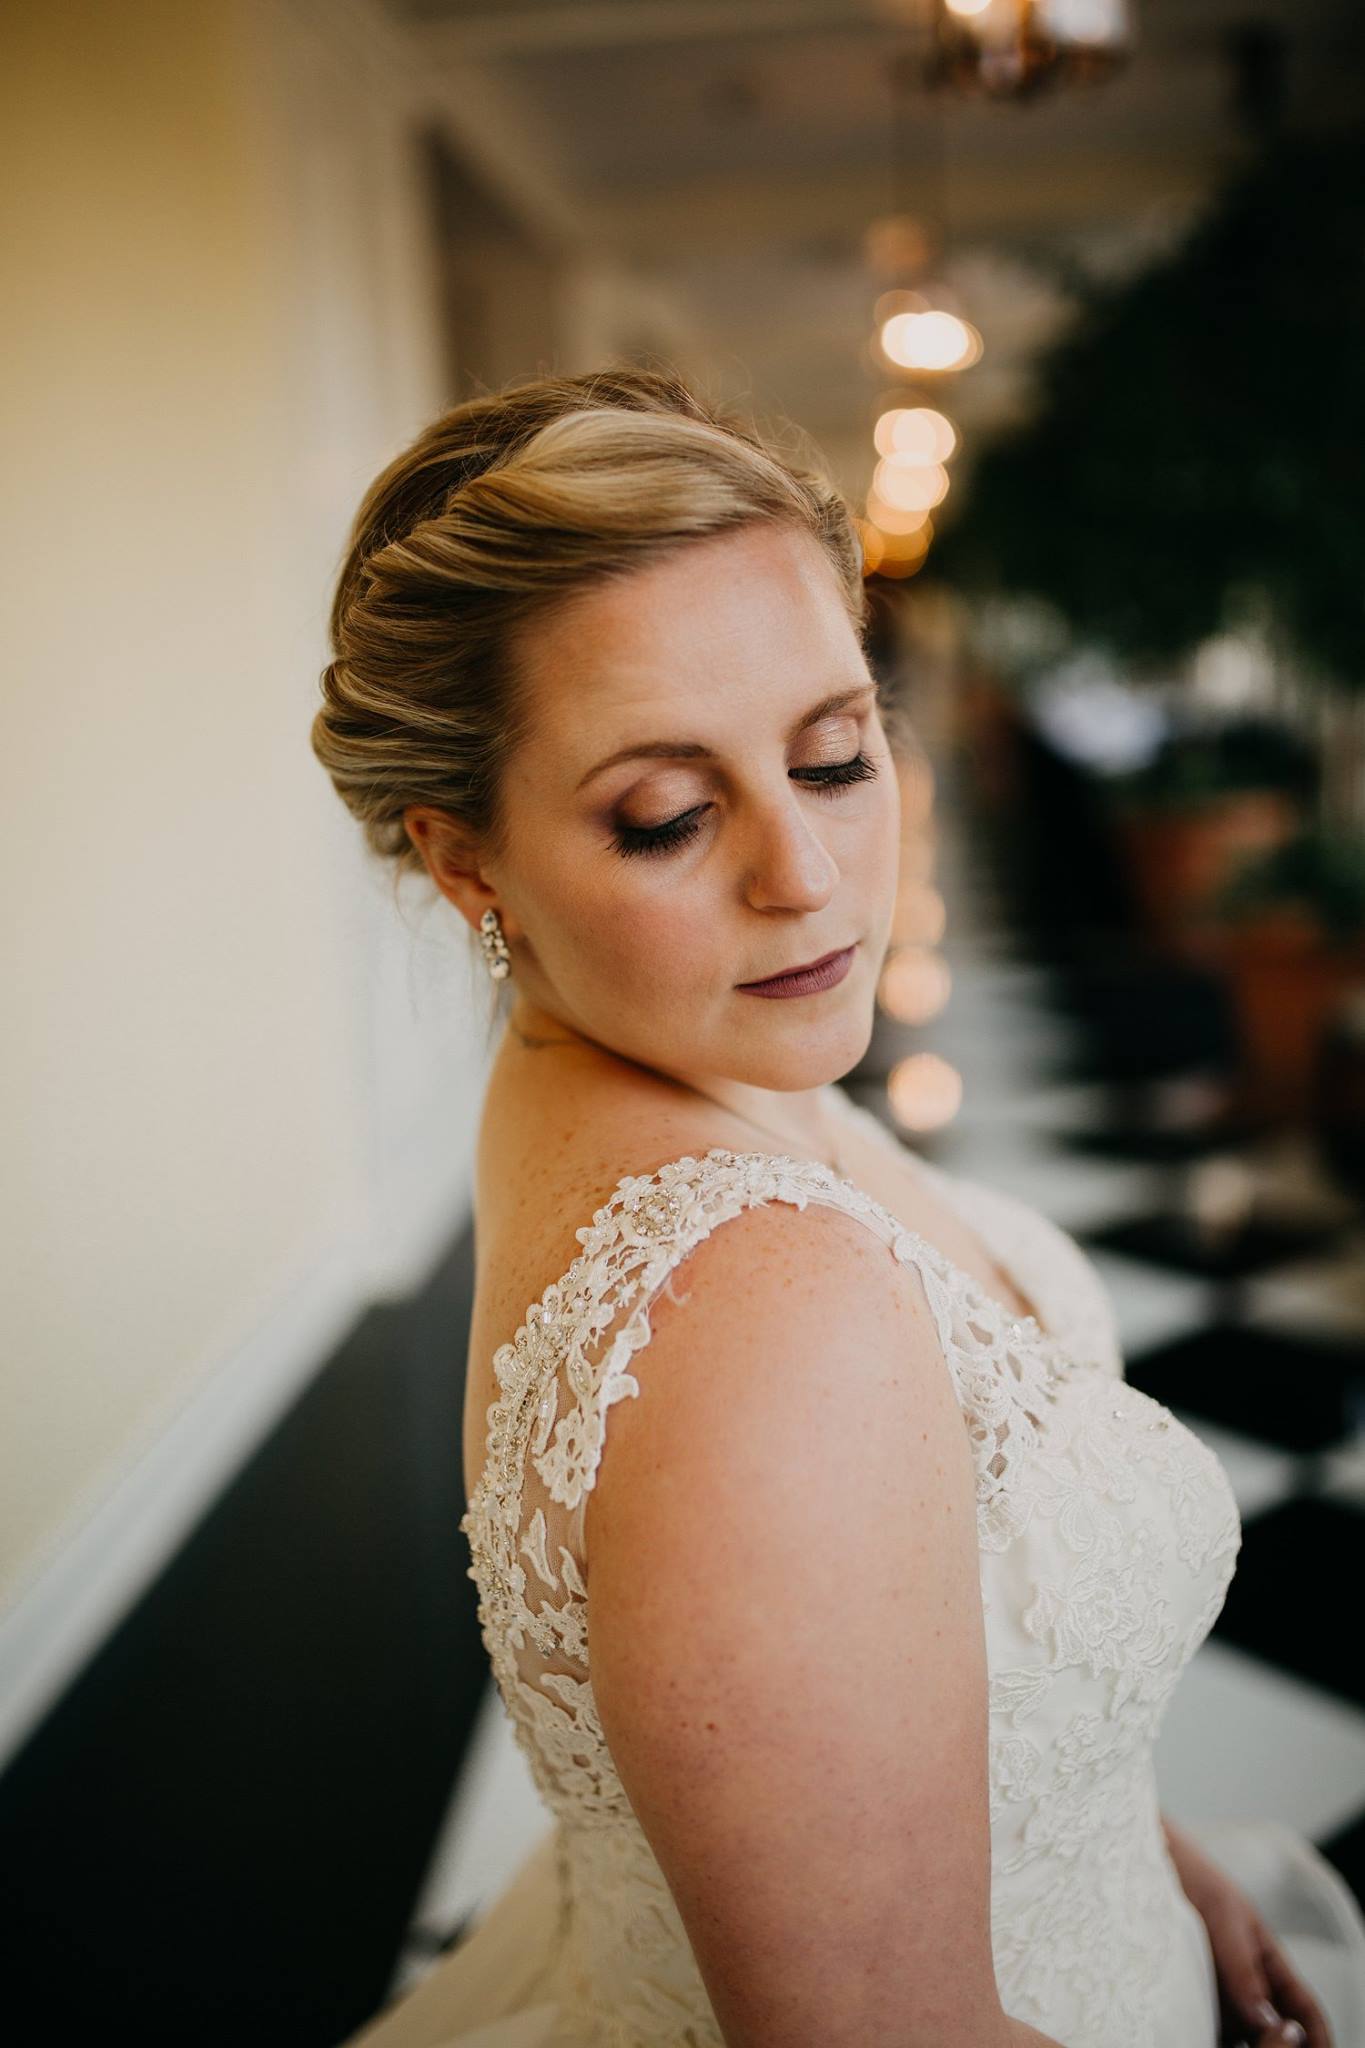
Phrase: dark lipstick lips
(806, 967)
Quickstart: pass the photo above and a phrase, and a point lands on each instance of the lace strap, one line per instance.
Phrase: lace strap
(1077, 1308)
(633, 1243)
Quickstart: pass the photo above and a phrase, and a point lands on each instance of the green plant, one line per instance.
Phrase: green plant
(1196, 436)
(1323, 872)
(1241, 755)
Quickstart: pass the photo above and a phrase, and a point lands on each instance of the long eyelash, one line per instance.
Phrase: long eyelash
(634, 839)
(639, 839)
(838, 774)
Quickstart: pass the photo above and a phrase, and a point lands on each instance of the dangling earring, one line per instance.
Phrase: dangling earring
(495, 953)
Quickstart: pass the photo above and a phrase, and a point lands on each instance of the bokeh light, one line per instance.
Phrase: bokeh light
(917, 780)
(930, 341)
(915, 434)
(919, 850)
(920, 916)
(915, 984)
(910, 487)
(897, 518)
(924, 1091)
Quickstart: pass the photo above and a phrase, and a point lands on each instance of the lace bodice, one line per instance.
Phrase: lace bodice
(1108, 1534)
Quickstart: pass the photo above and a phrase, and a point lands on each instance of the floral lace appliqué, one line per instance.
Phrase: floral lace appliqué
(1107, 1536)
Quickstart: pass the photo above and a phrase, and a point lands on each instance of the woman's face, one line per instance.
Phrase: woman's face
(677, 823)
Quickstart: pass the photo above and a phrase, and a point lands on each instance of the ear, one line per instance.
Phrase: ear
(451, 855)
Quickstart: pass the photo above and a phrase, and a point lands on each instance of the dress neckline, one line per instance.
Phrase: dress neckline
(942, 1184)
(980, 1296)
(802, 1164)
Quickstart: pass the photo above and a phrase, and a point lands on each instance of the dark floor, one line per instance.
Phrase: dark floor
(218, 1836)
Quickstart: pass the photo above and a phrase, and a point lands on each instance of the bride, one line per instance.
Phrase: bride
(832, 1575)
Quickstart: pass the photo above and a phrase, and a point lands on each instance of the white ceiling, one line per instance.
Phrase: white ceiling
(731, 156)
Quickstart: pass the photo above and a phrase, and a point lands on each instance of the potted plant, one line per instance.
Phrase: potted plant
(1292, 944)
(1211, 802)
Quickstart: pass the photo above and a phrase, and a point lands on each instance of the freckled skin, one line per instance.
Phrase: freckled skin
(726, 642)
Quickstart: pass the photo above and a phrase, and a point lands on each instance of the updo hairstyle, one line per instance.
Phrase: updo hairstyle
(501, 507)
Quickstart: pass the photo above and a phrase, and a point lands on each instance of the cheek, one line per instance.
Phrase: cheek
(658, 941)
(639, 935)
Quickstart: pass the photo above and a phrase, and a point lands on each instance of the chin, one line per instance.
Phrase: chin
(810, 1061)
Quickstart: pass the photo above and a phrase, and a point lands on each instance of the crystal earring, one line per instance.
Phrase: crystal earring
(496, 956)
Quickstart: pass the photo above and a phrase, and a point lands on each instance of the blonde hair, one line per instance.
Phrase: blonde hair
(501, 507)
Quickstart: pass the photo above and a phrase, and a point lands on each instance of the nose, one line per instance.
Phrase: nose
(790, 866)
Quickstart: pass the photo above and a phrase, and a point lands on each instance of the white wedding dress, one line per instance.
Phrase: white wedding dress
(1108, 1536)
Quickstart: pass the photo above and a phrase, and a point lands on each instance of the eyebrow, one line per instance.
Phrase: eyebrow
(693, 750)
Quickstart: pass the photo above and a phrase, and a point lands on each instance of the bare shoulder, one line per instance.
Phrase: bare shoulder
(782, 1335)
(774, 1315)
(786, 1637)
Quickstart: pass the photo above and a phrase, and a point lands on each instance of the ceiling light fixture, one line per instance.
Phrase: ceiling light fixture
(1015, 49)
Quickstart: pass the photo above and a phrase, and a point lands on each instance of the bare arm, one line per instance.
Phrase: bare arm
(787, 1644)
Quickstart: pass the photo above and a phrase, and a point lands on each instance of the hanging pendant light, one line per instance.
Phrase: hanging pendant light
(1014, 49)
(919, 331)
(928, 338)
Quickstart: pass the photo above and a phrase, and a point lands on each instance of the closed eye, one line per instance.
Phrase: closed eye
(830, 776)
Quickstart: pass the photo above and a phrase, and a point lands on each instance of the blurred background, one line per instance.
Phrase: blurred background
(1069, 295)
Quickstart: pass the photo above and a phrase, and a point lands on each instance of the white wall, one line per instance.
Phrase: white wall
(239, 1095)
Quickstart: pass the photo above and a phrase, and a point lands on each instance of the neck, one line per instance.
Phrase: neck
(801, 1114)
